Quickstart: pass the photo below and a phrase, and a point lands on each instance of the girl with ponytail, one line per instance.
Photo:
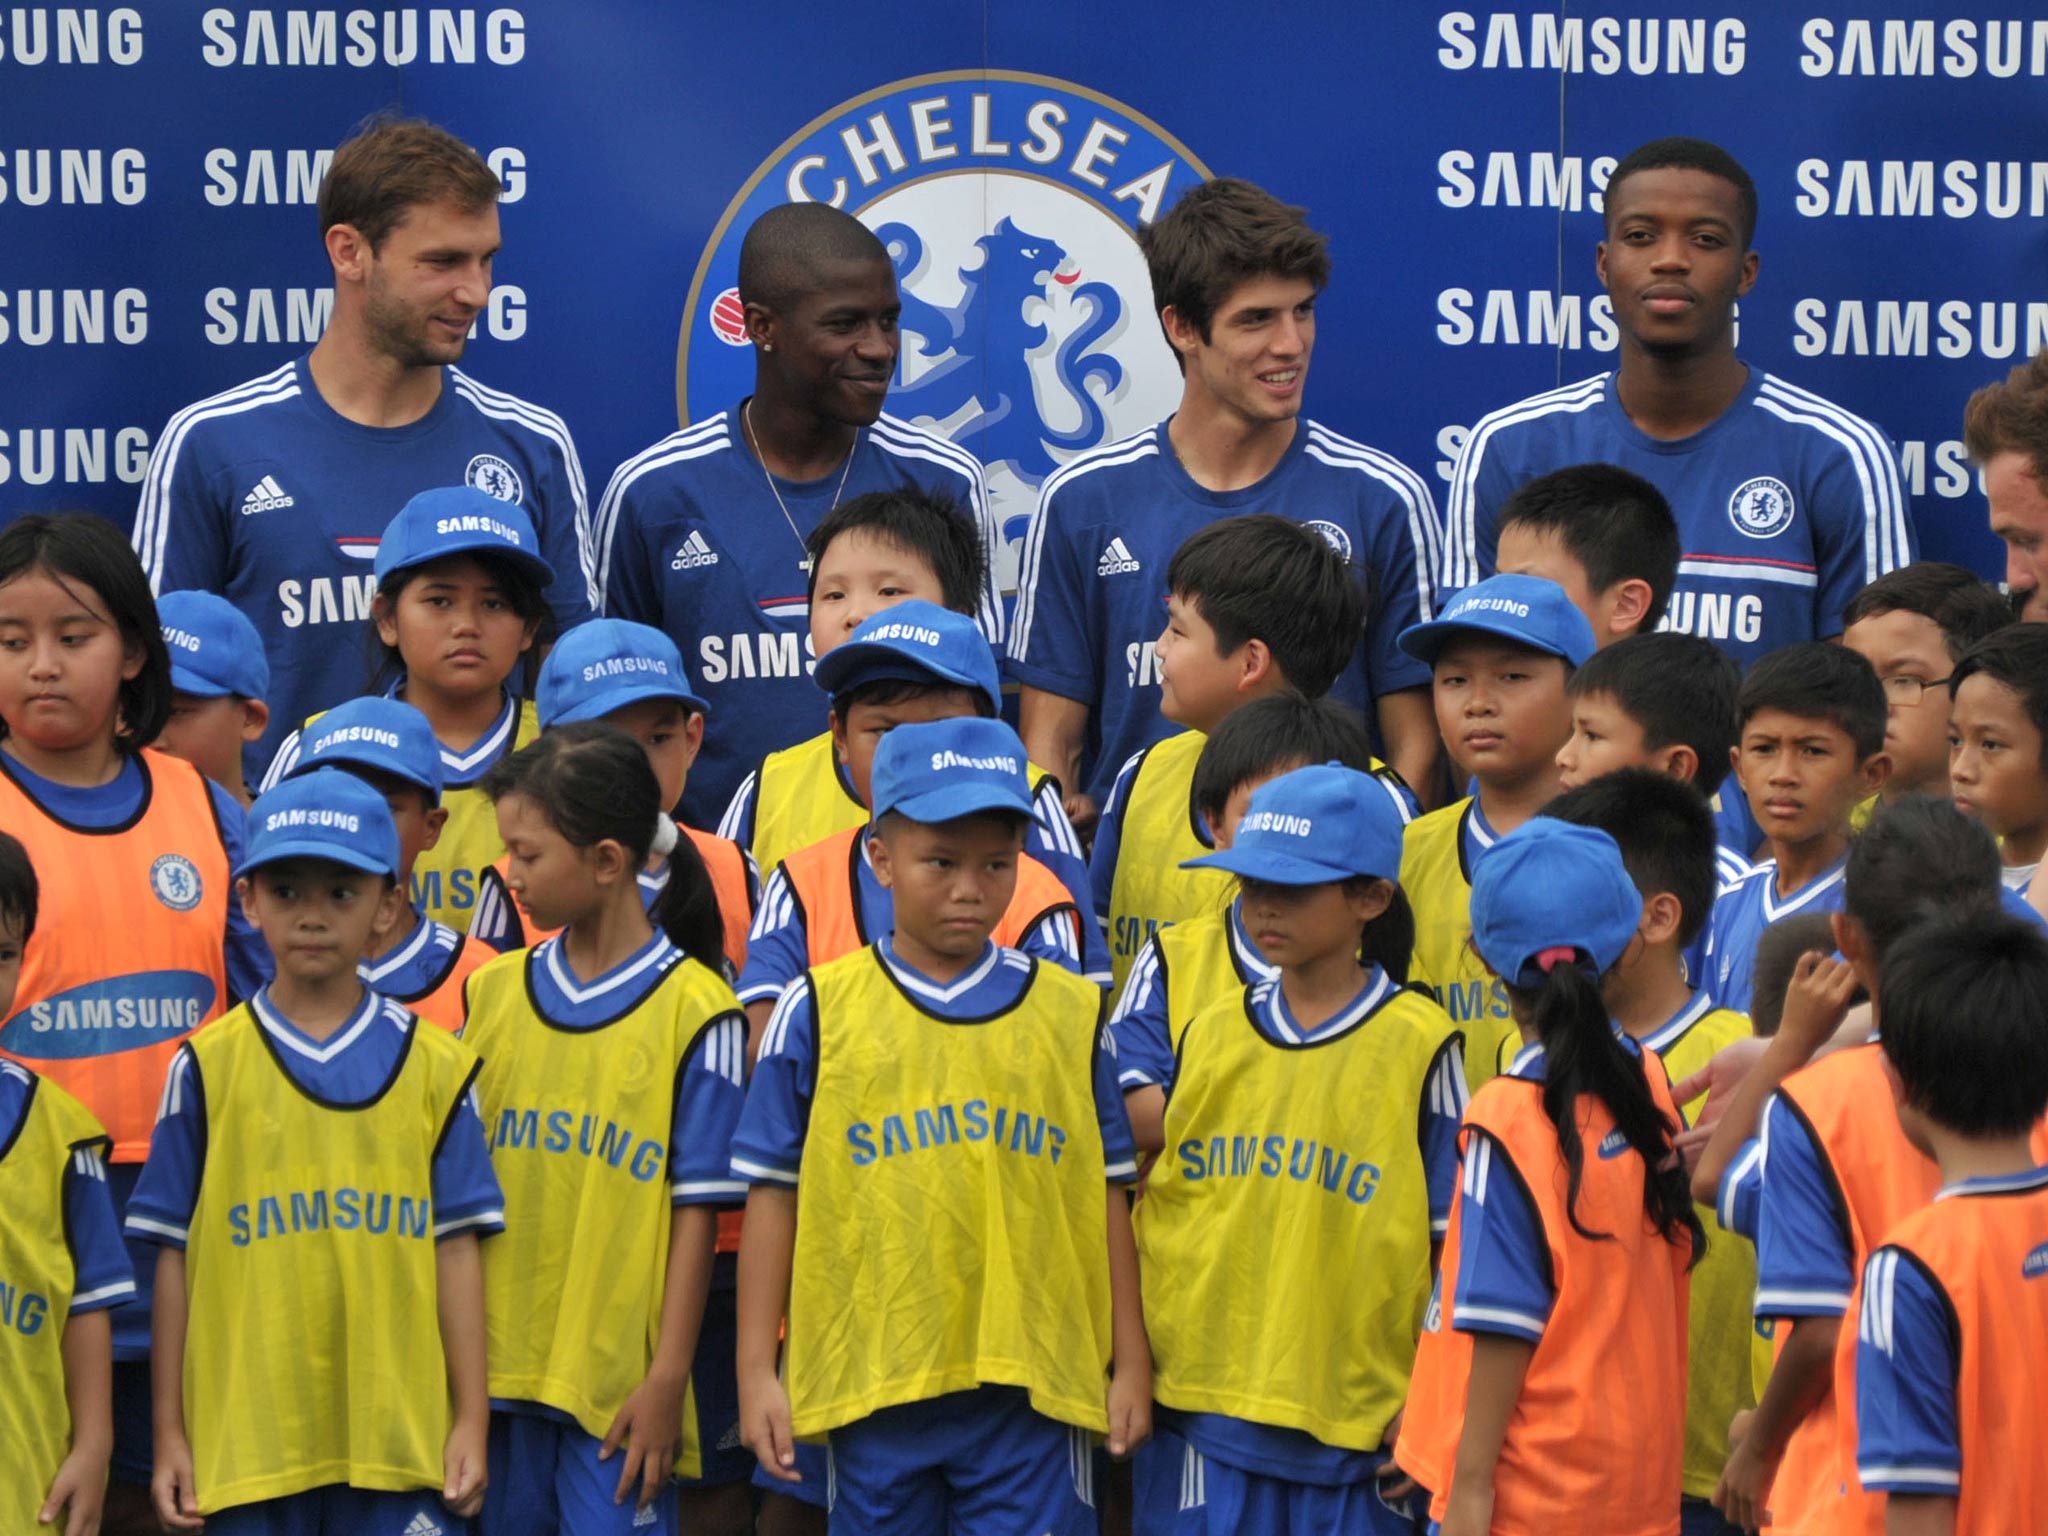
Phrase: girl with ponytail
(1549, 1389)
(612, 1080)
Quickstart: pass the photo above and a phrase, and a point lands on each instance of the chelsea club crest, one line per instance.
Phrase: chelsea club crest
(1010, 205)
(175, 881)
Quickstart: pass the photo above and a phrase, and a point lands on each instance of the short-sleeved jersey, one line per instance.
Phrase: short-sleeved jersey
(1786, 504)
(1180, 971)
(1743, 911)
(1437, 854)
(1950, 1336)
(267, 495)
(426, 972)
(1092, 594)
(693, 538)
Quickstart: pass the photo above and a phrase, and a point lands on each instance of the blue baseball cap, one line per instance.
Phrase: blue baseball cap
(215, 650)
(375, 732)
(918, 642)
(322, 815)
(1313, 826)
(460, 520)
(605, 664)
(947, 768)
(1552, 886)
(1530, 610)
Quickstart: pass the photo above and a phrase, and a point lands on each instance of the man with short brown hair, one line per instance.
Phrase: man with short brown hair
(2005, 427)
(274, 493)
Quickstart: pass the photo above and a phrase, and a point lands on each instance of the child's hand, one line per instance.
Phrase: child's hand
(463, 1467)
(649, 1426)
(1816, 1000)
(1745, 1480)
(171, 1485)
(1395, 1484)
(1130, 1411)
(1468, 1511)
(80, 1484)
(764, 1426)
(1717, 1080)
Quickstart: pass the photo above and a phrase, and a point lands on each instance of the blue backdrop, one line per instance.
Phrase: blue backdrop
(158, 167)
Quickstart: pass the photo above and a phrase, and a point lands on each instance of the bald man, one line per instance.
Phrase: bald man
(702, 535)
(2005, 427)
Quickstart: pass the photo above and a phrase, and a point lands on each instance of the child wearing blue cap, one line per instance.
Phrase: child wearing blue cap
(218, 679)
(913, 663)
(632, 676)
(389, 746)
(317, 1184)
(1550, 1381)
(1499, 656)
(461, 600)
(934, 1139)
(614, 1064)
(1311, 1127)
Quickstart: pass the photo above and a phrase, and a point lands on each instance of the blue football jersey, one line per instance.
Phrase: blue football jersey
(689, 539)
(265, 494)
(1092, 593)
(1786, 504)
(1743, 911)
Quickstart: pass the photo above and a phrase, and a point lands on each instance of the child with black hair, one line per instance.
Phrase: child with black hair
(1553, 1356)
(1954, 1324)
(1998, 748)
(461, 607)
(1666, 837)
(1286, 1409)
(1810, 747)
(1666, 701)
(219, 677)
(1603, 534)
(1257, 605)
(61, 1253)
(1913, 625)
(1830, 1172)
(622, 1021)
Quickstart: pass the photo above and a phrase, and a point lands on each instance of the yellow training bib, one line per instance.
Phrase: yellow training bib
(1160, 827)
(1439, 889)
(1284, 1235)
(1198, 967)
(580, 1122)
(313, 1342)
(951, 1203)
(37, 1281)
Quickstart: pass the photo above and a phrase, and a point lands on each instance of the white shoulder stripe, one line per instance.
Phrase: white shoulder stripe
(153, 516)
(1127, 451)
(1461, 556)
(504, 407)
(676, 448)
(1887, 536)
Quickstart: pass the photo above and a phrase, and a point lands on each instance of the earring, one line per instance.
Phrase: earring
(767, 346)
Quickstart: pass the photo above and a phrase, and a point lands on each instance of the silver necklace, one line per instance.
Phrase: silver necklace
(754, 442)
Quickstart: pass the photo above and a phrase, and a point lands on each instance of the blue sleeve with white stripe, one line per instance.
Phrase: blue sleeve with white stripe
(249, 961)
(1053, 841)
(1443, 1113)
(467, 1200)
(628, 580)
(1479, 484)
(1854, 493)
(710, 1092)
(1109, 838)
(1119, 1151)
(1503, 1260)
(1403, 587)
(1742, 1189)
(1907, 1437)
(102, 1277)
(768, 1146)
(1144, 1043)
(1053, 644)
(490, 920)
(1803, 1264)
(778, 950)
(178, 488)
(160, 1210)
(1055, 940)
(562, 517)
(737, 824)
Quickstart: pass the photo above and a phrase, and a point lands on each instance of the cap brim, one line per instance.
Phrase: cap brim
(1423, 641)
(860, 661)
(185, 681)
(313, 848)
(595, 706)
(957, 800)
(1272, 866)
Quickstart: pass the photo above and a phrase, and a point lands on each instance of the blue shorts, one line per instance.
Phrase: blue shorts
(134, 1423)
(975, 1463)
(813, 1465)
(545, 1478)
(340, 1511)
(1215, 1499)
(1698, 1517)
(1157, 1471)
(715, 1387)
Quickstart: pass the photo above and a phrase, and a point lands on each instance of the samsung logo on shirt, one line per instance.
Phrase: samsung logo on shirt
(917, 632)
(2035, 1265)
(339, 821)
(622, 666)
(1301, 1160)
(479, 524)
(1276, 821)
(179, 638)
(941, 761)
(357, 733)
(1613, 1145)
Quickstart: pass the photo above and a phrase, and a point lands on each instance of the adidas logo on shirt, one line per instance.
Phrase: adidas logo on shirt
(268, 496)
(693, 553)
(423, 1526)
(1117, 559)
